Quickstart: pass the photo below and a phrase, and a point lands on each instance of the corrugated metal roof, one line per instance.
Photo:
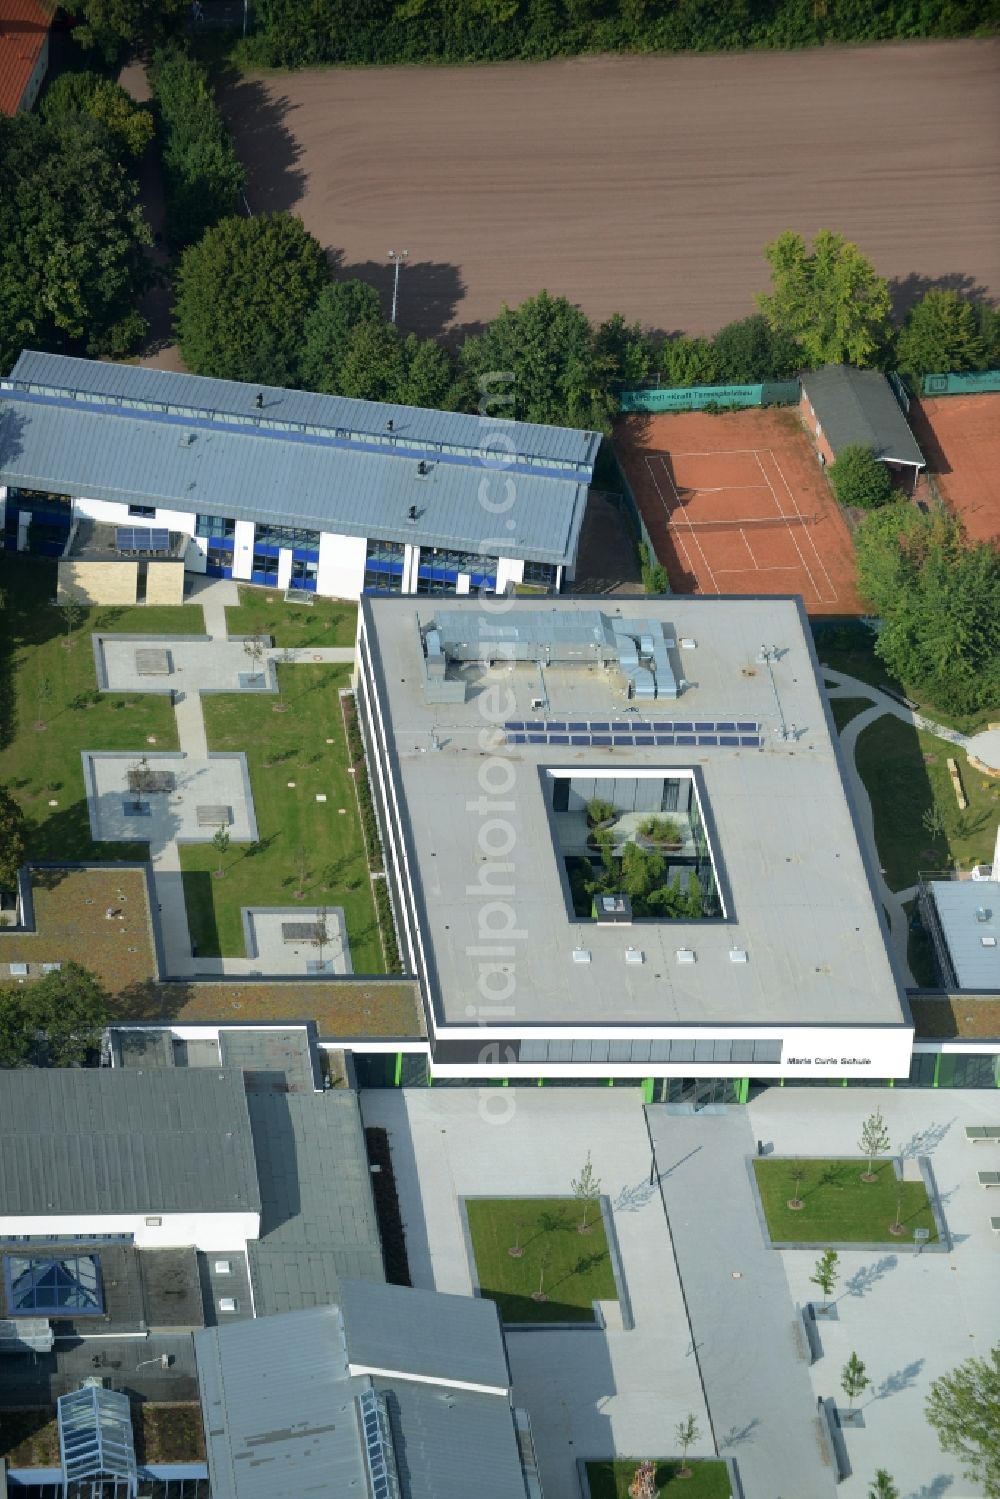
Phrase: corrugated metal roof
(405, 1331)
(453, 1442)
(338, 415)
(160, 1140)
(278, 1408)
(317, 1214)
(858, 406)
(281, 1419)
(969, 912)
(315, 482)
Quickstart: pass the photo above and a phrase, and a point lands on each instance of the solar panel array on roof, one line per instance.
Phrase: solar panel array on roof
(634, 733)
(141, 539)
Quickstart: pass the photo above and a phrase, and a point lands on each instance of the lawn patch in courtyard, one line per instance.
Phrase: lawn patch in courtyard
(846, 708)
(906, 774)
(303, 844)
(324, 622)
(48, 676)
(709, 1479)
(840, 1208)
(573, 1269)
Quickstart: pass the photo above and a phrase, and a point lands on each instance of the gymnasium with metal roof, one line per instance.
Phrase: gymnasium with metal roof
(294, 458)
(99, 1141)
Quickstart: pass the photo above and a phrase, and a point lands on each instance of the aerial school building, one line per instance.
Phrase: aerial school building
(132, 477)
(621, 847)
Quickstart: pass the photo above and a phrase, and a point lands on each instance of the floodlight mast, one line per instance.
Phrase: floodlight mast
(396, 258)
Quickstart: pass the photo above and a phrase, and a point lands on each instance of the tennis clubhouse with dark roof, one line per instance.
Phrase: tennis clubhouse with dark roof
(844, 407)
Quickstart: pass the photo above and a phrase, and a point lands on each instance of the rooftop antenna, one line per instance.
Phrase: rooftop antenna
(259, 400)
(766, 656)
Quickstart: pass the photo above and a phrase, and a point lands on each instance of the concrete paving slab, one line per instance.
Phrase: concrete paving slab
(159, 817)
(909, 1317)
(588, 1393)
(268, 943)
(741, 1309)
(196, 665)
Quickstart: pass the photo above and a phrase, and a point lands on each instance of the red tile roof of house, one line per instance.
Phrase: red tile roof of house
(24, 25)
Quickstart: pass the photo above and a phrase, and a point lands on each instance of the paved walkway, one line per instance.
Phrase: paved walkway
(848, 686)
(588, 1393)
(216, 664)
(741, 1311)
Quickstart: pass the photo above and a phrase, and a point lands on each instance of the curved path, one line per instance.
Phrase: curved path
(848, 686)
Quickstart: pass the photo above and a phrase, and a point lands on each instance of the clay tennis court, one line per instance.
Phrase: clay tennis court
(960, 438)
(645, 185)
(736, 503)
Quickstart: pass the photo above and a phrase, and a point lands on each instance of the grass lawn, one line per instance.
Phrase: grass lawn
(846, 708)
(906, 772)
(163, 1434)
(577, 1267)
(42, 678)
(709, 1480)
(851, 648)
(283, 747)
(326, 622)
(840, 1208)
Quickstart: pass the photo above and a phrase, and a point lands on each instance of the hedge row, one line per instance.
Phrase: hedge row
(203, 178)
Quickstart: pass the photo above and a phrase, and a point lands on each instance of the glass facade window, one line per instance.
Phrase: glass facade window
(385, 551)
(265, 569)
(146, 512)
(38, 499)
(287, 536)
(377, 581)
(215, 527)
(541, 572)
(69, 1287)
(304, 574)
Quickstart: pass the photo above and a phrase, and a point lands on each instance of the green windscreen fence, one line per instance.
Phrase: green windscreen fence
(698, 397)
(973, 382)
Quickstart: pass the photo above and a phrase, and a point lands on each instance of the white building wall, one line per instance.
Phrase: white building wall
(510, 570)
(34, 83)
(284, 567)
(210, 1231)
(116, 513)
(411, 562)
(243, 549)
(196, 556)
(341, 569)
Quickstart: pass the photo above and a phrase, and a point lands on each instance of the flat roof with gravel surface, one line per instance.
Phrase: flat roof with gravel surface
(796, 887)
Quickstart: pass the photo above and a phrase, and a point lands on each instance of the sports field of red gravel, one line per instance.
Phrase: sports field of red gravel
(737, 503)
(960, 438)
(648, 185)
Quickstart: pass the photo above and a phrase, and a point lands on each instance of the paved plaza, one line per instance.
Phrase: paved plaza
(909, 1318)
(202, 796)
(588, 1393)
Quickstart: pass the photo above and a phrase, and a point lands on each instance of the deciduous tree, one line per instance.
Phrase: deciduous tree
(539, 363)
(859, 480)
(854, 1378)
(129, 125)
(964, 1408)
(71, 237)
(13, 839)
(940, 335)
(70, 1006)
(750, 350)
(688, 1432)
(114, 25)
(338, 310)
(244, 292)
(829, 299)
(874, 1140)
(827, 1272)
(586, 1189)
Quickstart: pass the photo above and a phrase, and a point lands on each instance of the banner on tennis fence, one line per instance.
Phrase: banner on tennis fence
(973, 382)
(698, 397)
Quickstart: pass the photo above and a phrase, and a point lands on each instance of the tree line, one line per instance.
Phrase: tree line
(299, 33)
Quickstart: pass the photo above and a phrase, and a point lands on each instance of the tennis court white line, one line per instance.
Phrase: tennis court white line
(791, 496)
(670, 513)
(795, 543)
(687, 559)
